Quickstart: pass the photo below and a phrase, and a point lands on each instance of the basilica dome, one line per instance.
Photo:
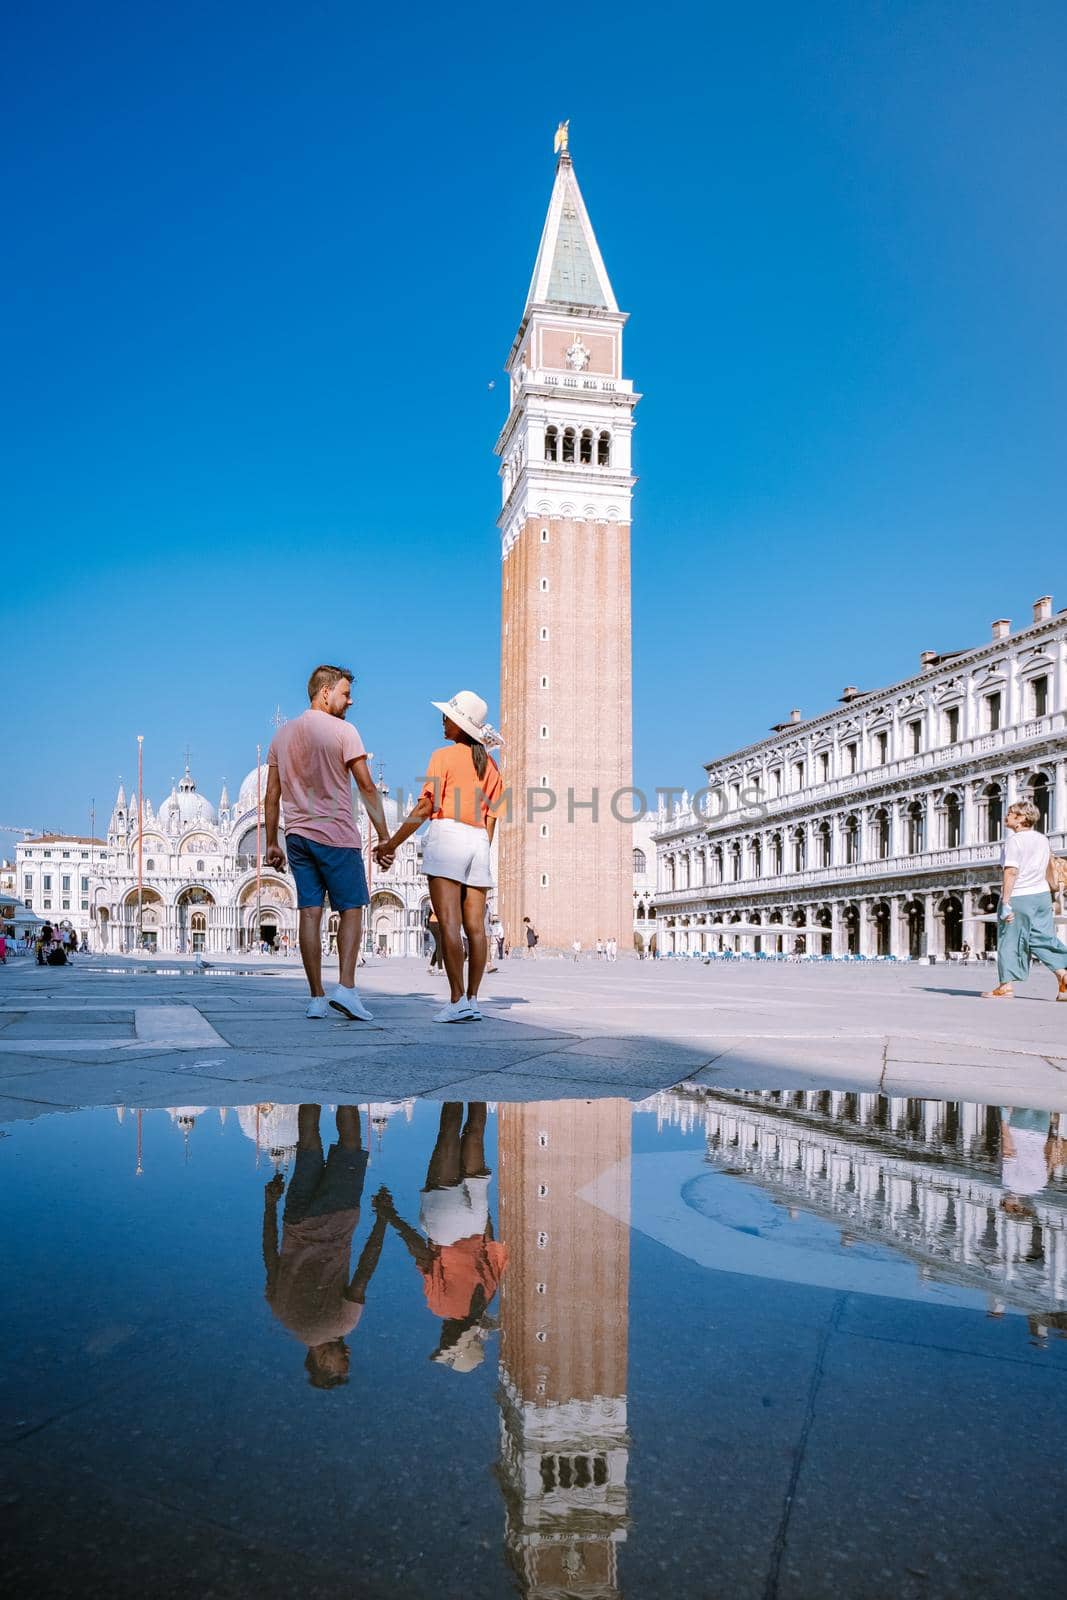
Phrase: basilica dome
(185, 806)
(246, 799)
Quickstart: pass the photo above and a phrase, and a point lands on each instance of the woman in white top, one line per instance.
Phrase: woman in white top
(1025, 927)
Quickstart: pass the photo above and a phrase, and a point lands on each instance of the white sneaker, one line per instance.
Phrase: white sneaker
(349, 1004)
(317, 1007)
(472, 1006)
(455, 1011)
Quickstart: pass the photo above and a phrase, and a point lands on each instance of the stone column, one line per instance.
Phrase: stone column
(971, 928)
(898, 927)
(838, 942)
(866, 930)
(933, 933)
(969, 820)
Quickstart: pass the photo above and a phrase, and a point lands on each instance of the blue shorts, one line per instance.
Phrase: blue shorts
(318, 1187)
(326, 869)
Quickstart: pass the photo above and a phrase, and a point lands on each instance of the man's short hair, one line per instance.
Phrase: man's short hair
(325, 678)
(1027, 812)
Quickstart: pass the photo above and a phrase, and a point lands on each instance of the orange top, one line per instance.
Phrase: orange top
(458, 1269)
(455, 789)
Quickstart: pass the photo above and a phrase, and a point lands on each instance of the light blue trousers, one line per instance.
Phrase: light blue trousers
(1032, 933)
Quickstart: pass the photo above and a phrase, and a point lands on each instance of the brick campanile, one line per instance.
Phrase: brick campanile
(566, 646)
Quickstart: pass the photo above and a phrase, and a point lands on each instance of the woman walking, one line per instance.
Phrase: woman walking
(1025, 926)
(463, 784)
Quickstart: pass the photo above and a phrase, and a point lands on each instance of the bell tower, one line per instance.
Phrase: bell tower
(566, 859)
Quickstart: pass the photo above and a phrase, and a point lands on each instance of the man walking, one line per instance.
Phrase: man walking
(311, 763)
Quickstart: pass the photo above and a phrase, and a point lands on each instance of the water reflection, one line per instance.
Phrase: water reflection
(564, 1440)
(309, 1286)
(971, 1194)
(460, 1260)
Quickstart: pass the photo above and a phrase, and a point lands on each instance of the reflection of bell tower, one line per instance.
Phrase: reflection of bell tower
(564, 1322)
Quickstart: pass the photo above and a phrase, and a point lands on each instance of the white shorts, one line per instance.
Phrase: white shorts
(456, 850)
(460, 1212)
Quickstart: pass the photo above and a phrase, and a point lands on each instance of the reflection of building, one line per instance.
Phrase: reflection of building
(565, 580)
(880, 822)
(564, 1319)
(921, 1176)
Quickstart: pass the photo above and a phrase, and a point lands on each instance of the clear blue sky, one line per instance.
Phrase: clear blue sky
(262, 264)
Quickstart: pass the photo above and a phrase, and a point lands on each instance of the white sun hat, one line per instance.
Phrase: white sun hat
(469, 712)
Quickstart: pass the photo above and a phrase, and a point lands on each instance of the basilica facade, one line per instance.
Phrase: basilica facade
(875, 829)
(204, 887)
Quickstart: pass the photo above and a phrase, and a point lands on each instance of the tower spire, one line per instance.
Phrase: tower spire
(569, 269)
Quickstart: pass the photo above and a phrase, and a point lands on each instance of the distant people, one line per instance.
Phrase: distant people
(965, 954)
(437, 954)
(310, 765)
(496, 931)
(600, 950)
(463, 784)
(612, 949)
(531, 936)
(309, 1286)
(460, 1260)
(576, 950)
(1025, 927)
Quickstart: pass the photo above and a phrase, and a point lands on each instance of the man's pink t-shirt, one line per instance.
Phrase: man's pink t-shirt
(312, 755)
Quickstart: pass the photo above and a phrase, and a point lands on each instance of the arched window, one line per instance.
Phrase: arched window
(799, 850)
(684, 873)
(150, 865)
(823, 841)
(603, 450)
(852, 841)
(568, 444)
(1037, 790)
(882, 833)
(916, 828)
(551, 443)
(585, 448)
(699, 869)
(199, 866)
(953, 825)
(668, 875)
(735, 863)
(639, 860)
(777, 858)
(757, 859)
(993, 806)
(716, 864)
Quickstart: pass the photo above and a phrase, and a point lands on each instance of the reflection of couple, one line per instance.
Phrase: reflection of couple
(309, 1287)
(460, 1260)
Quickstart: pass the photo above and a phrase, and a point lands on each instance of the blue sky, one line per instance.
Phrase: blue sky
(263, 263)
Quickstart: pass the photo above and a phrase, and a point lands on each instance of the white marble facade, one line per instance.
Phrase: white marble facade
(199, 877)
(875, 828)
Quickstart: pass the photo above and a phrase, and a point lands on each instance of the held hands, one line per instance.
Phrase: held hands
(275, 857)
(275, 1188)
(385, 853)
(383, 1203)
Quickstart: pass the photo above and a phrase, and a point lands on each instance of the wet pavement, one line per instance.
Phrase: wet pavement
(711, 1342)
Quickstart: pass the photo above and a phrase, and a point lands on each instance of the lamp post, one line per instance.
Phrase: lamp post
(140, 840)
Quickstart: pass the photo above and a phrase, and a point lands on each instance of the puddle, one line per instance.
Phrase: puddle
(740, 1344)
(191, 971)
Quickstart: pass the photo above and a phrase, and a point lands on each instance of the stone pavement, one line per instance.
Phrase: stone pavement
(108, 1031)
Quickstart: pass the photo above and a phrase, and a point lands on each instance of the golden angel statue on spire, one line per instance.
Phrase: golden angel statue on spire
(562, 137)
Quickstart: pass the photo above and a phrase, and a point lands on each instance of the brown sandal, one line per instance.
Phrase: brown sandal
(1001, 992)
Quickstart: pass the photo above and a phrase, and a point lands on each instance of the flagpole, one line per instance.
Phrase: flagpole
(140, 840)
(259, 844)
